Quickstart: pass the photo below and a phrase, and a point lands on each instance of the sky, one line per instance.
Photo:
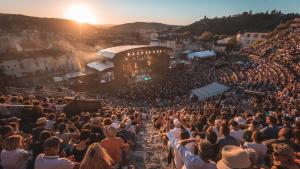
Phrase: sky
(176, 12)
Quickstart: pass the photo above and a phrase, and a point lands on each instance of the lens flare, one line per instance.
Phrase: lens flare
(81, 14)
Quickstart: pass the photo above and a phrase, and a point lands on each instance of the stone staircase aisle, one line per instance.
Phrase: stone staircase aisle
(150, 153)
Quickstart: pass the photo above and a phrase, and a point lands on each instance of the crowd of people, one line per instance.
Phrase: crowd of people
(229, 131)
(36, 133)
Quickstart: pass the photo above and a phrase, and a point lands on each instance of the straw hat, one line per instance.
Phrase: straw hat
(234, 157)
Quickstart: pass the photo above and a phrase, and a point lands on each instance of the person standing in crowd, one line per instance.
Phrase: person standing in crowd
(50, 159)
(13, 155)
(126, 135)
(59, 107)
(115, 146)
(4, 112)
(235, 131)
(37, 147)
(41, 124)
(285, 135)
(271, 130)
(51, 121)
(63, 133)
(96, 157)
(29, 116)
(193, 161)
(258, 146)
(80, 149)
(226, 139)
(217, 127)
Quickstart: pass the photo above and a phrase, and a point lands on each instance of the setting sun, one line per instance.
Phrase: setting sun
(81, 14)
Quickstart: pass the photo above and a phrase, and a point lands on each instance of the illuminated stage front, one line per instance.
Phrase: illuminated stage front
(132, 63)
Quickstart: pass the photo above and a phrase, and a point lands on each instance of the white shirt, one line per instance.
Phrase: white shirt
(52, 162)
(260, 149)
(176, 133)
(59, 108)
(237, 134)
(15, 159)
(178, 160)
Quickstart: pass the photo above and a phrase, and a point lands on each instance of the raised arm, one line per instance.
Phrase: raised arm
(186, 141)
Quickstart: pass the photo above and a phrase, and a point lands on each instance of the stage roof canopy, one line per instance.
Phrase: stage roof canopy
(210, 90)
(113, 51)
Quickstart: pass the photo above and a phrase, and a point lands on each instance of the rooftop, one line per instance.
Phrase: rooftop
(111, 52)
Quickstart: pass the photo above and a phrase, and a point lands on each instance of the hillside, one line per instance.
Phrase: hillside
(282, 48)
(136, 26)
(15, 23)
(259, 22)
(26, 36)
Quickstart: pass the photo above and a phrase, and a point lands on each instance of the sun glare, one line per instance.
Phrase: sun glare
(81, 14)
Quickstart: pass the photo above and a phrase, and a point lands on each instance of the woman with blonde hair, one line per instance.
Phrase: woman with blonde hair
(96, 157)
(13, 155)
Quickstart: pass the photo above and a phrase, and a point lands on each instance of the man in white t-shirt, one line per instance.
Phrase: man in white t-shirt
(51, 159)
(258, 146)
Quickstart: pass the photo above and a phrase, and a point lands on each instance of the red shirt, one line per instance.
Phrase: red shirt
(114, 148)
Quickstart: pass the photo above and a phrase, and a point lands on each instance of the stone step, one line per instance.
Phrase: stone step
(149, 153)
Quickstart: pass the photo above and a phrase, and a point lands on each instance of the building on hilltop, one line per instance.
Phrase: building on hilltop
(249, 38)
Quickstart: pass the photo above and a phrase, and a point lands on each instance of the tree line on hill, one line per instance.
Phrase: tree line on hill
(247, 21)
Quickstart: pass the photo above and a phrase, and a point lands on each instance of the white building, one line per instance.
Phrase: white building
(221, 45)
(146, 35)
(165, 42)
(249, 38)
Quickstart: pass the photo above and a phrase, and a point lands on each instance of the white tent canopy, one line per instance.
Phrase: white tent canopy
(210, 90)
(202, 54)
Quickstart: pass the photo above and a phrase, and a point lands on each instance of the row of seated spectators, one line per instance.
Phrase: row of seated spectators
(218, 134)
(276, 61)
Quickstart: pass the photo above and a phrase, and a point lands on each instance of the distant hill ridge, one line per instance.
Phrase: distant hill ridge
(17, 22)
(136, 26)
(259, 22)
